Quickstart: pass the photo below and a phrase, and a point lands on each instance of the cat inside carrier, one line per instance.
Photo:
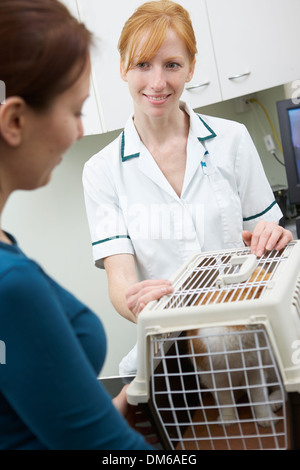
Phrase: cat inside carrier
(219, 358)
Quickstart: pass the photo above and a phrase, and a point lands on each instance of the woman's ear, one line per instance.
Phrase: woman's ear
(12, 120)
(191, 72)
(122, 72)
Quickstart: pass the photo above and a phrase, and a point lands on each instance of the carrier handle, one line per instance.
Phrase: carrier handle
(248, 264)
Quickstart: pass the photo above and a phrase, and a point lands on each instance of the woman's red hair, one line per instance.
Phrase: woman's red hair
(150, 23)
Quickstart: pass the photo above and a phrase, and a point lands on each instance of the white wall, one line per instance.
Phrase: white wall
(51, 227)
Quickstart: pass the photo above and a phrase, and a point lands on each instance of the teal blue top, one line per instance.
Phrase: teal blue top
(55, 347)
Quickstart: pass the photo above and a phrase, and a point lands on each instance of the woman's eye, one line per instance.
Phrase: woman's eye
(173, 65)
(142, 65)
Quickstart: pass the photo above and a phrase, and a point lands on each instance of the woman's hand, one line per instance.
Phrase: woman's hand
(120, 401)
(266, 236)
(128, 295)
(135, 416)
(140, 293)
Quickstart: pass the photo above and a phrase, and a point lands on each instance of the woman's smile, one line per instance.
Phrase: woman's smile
(157, 99)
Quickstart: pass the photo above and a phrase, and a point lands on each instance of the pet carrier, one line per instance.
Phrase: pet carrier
(219, 358)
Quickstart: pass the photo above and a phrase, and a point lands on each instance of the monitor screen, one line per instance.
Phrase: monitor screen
(294, 118)
(289, 123)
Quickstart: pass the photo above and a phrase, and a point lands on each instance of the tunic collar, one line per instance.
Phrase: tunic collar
(131, 142)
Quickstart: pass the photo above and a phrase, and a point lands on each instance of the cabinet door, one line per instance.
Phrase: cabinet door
(91, 118)
(256, 43)
(106, 22)
(204, 87)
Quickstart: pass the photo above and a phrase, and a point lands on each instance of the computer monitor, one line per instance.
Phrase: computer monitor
(289, 123)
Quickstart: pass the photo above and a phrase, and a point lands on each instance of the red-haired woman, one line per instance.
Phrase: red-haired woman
(174, 183)
(50, 397)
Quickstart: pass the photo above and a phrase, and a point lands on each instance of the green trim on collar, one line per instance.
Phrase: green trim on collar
(109, 239)
(245, 219)
(128, 157)
(135, 155)
(212, 133)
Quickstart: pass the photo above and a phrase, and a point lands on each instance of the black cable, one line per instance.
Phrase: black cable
(275, 156)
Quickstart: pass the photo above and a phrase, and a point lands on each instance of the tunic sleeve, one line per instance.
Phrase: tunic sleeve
(107, 223)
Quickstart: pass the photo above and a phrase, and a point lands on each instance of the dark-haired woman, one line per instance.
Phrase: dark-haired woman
(50, 397)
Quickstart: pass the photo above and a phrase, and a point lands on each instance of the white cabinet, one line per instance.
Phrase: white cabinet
(243, 46)
(204, 87)
(92, 113)
(107, 23)
(255, 42)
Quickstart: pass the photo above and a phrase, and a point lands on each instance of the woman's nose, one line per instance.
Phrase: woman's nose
(158, 81)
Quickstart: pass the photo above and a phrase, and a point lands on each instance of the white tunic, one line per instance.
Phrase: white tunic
(132, 208)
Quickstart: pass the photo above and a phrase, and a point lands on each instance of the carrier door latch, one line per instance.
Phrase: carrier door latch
(248, 265)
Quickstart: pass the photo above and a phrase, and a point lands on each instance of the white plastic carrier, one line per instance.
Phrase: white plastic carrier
(211, 291)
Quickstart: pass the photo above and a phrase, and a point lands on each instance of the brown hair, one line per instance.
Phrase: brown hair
(152, 19)
(43, 49)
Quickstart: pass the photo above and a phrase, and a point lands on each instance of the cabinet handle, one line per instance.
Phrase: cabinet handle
(240, 75)
(191, 87)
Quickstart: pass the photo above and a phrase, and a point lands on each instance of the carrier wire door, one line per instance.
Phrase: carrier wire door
(239, 318)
